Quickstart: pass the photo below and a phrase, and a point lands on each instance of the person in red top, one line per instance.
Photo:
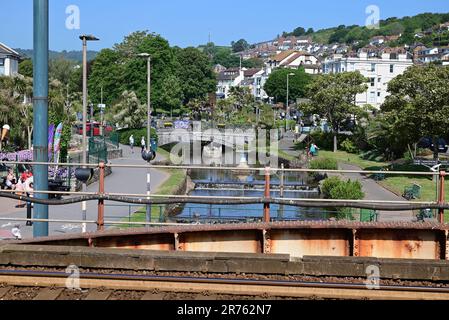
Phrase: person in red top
(26, 175)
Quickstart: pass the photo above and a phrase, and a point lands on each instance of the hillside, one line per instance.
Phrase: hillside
(76, 56)
(408, 27)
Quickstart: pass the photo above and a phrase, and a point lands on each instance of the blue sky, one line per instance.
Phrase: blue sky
(185, 23)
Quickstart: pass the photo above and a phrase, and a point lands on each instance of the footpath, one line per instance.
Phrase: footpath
(371, 188)
(122, 180)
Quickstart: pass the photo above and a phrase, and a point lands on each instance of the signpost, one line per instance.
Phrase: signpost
(102, 107)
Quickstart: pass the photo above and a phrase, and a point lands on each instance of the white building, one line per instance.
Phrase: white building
(227, 79)
(294, 59)
(9, 61)
(379, 69)
(429, 55)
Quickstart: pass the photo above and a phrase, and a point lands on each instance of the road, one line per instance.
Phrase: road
(122, 180)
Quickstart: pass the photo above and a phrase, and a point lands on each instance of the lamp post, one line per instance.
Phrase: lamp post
(85, 38)
(148, 151)
(40, 107)
(287, 116)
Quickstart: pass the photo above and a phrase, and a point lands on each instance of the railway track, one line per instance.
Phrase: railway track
(43, 285)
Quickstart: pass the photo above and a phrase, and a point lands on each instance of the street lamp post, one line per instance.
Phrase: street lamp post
(85, 38)
(148, 57)
(40, 107)
(287, 116)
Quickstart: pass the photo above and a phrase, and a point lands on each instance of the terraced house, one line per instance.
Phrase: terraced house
(9, 61)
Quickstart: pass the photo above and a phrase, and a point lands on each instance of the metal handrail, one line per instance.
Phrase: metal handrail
(173, 167)
(161, 196)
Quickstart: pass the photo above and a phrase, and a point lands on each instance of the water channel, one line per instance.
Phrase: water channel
(212, 183)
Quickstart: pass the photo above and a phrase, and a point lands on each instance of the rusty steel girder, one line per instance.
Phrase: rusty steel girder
(298, 239)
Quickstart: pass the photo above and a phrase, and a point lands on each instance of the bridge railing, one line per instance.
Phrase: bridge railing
(267, 201)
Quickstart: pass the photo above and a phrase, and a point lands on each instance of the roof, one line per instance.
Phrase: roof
(250, 72)
(229, 74)
(282, 56)
(296, 55)
(7, 50)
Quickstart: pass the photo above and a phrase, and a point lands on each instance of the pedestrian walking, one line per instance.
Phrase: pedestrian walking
(131, 143)
(314, 150)
(143, 144)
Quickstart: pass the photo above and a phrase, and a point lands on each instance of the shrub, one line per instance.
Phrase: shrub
(328, 185)
(349, 190)
(137, 133)
(349, 146)
(324, 164)
(335, 188)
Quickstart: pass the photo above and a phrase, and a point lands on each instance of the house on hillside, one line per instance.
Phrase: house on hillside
(9, 61)
(428, 55)
(444, 26)
(227, 79)
(445, 59)
(219, 68)
(294, 59)
(377, 41)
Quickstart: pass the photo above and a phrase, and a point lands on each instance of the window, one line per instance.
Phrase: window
(378, 94)
(2, 62)
(391, 68)
(373, 82)
(379, 80)
(373, 67)
(372, 97)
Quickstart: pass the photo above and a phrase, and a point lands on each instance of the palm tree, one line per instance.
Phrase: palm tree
(129, 112)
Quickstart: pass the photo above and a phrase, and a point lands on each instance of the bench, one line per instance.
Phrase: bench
(379, 176)
(425, 214)
(412, 192)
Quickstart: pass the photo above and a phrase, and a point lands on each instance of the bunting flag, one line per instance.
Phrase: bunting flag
(51, 135)
(57, 143)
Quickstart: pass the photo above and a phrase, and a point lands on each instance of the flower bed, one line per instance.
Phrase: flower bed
(22, 156)
(27, 156)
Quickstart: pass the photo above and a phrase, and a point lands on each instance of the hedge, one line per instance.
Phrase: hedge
(125, 134)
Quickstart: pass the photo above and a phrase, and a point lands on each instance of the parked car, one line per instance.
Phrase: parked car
(427, 143)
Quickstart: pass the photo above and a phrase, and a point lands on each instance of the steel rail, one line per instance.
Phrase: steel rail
(224, 285)
(107, 195)
(96, 222)
(307, 203)
(172, 167)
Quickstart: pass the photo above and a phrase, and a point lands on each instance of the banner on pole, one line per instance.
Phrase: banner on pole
(51, 135)
(57, 144)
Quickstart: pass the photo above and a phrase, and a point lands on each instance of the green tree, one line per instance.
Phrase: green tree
(196, 77)
(61, 70)
(107, 73)
(276, 85)
(15, 109)
(26, 68)
(300, 31)
(129, 112)
(240, 45)
(171, 95)
(419, 103)
(333, 97)
(121, 70)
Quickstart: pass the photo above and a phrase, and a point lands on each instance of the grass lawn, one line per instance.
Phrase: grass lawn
(344, 157)
(394, 183)
(175, 179)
